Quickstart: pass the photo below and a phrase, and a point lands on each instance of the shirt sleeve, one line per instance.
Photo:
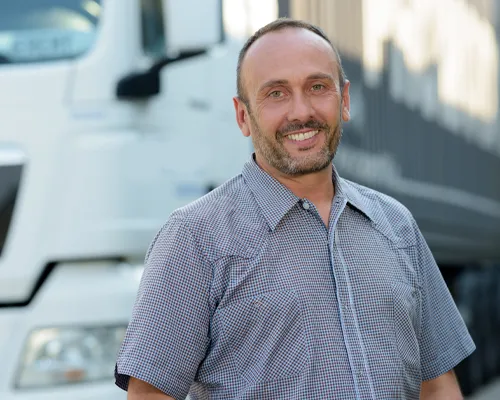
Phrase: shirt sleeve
(167, 336)
(444, 338)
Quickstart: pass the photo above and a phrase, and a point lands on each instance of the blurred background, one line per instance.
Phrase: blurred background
(113, 113)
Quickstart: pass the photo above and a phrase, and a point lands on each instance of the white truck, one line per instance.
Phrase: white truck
(112, 114)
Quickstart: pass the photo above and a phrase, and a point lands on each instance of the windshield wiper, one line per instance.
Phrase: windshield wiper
(4, 59)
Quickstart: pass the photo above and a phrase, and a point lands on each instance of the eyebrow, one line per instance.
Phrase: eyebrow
(321, 75)
(273, 82)
(277, 82)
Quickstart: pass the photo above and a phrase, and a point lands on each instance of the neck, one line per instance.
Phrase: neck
(317, 187)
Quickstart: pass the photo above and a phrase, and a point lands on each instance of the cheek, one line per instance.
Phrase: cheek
(328, 109)
(270, 119)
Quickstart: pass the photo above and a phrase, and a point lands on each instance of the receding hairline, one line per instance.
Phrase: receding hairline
(280, 25)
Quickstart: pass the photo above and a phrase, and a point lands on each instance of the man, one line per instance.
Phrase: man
(288, 282)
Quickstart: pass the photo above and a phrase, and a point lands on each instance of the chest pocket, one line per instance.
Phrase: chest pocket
(265, 336)
(407, 314)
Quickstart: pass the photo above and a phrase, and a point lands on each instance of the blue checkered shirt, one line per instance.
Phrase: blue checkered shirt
(247, 294)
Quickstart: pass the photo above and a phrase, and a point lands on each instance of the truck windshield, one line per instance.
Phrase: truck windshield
(46, 30)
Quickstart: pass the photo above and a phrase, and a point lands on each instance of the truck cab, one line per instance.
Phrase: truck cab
(113, 113)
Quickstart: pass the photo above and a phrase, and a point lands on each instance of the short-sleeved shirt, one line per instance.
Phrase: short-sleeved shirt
(247, 294)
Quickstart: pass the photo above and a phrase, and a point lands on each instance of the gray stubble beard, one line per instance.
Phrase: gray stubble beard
(276, 155)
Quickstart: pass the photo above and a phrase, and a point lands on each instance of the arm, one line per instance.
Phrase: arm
(444, 387)
(168, 334)
(443, 335)
(140, 390)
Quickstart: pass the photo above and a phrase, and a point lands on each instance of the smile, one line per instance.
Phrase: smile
(303, 136)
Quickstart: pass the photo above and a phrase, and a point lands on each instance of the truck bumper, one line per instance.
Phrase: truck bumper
(87, 294)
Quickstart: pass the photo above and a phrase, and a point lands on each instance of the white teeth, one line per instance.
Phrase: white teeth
(303, 136)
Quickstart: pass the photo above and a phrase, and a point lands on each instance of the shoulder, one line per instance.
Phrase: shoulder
(223, 222)
(389, 215)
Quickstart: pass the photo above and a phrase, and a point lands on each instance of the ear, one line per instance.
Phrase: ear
(346, 102)
(242, 116)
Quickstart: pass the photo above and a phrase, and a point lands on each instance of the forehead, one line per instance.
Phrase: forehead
(289, 54)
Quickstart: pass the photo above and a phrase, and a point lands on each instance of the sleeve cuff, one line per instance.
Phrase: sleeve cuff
(448, 360)
(173, 386)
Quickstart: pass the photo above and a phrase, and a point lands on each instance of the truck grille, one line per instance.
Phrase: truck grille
(11, 166)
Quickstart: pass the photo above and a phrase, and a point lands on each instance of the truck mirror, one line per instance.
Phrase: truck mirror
(144, 84)
(192, 25)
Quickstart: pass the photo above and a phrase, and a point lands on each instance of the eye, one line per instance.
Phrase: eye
(276, 94)
(317, 87)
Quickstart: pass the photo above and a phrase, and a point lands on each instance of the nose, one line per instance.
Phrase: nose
(301, 109)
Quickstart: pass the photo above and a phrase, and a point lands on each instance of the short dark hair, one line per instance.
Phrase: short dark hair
(277, 25)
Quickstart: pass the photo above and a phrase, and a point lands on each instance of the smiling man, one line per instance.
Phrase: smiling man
(289, 282)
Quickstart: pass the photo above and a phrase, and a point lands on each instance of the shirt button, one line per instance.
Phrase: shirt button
(306, 205)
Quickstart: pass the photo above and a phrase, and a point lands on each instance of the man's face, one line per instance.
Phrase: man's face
(295, 105)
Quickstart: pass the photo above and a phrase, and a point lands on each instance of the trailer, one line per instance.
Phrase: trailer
(425, 130)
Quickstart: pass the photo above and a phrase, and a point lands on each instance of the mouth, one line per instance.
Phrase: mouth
(300, 137)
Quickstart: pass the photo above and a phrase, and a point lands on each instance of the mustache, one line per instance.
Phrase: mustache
(312, 124)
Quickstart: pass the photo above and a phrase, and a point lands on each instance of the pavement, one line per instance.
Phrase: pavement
(489, 392)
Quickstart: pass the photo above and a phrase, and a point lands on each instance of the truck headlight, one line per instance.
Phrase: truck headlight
(56, 356)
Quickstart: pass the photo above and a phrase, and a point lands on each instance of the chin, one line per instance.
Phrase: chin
(303, 167)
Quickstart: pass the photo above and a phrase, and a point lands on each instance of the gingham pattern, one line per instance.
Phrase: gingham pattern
(247, 295)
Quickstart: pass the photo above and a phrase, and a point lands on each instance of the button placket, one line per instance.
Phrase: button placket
(348, 318)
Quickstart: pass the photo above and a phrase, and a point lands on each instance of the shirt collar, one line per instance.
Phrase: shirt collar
(354, 197)
(275, 199)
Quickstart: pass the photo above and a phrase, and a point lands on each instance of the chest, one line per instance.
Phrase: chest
(311, 296)
(350, 259)
(315, 304)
